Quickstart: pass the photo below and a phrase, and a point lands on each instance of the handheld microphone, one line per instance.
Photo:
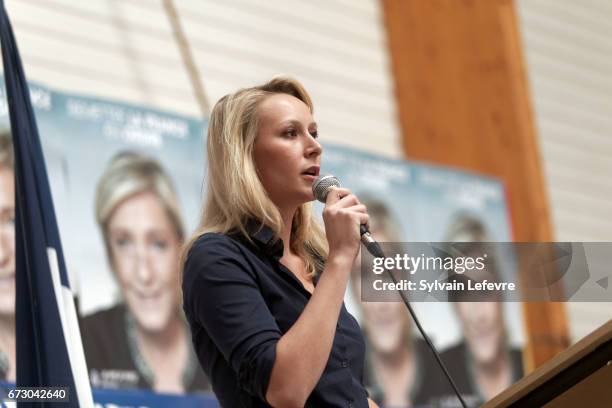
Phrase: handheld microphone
(320, 187)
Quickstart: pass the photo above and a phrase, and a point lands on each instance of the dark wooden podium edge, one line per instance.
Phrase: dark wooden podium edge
(560, 373)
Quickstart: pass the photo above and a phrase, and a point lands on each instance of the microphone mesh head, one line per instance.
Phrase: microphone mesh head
(321, 186)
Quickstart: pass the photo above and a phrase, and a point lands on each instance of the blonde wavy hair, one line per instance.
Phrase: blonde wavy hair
(235, 193)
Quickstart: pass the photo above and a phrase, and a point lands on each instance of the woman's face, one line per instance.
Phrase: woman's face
(7, 242)
(144, 250)
(483, 329)
(482, 321)
(286, 152)
(387, 325)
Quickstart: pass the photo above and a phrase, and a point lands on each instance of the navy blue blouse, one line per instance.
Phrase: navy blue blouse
(239, 300)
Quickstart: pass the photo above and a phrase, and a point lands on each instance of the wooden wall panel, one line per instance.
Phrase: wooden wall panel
(463, 100)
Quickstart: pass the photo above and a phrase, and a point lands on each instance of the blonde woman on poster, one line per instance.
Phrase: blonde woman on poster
(399, 368)
(483, 363)
(142, 342)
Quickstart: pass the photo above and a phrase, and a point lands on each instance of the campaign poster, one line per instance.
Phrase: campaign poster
(416, 202)
(127, 189)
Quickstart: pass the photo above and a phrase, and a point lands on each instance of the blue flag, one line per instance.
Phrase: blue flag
(49, 349)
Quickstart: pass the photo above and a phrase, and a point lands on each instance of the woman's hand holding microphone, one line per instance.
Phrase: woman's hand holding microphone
(343, 215)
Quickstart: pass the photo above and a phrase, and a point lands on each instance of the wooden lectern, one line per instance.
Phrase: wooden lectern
(580, 376)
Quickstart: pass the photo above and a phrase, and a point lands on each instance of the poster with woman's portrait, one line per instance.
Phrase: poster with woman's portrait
(413, 202)
(127, 188)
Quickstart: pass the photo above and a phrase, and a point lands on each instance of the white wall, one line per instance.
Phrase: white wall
(568, 49)
(124, 49)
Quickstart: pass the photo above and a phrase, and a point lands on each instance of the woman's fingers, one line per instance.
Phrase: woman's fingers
(341, 197)
(363, 218)
(343, 214)
(361, 208)
(335, 194)
(348, 201)
(358, 212)
(348, 204)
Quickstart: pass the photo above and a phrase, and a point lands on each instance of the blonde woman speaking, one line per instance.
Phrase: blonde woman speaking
(263, 283)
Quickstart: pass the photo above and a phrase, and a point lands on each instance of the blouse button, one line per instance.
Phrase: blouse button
(344, 363)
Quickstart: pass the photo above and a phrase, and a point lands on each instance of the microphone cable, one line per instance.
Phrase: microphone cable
(376, 251)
